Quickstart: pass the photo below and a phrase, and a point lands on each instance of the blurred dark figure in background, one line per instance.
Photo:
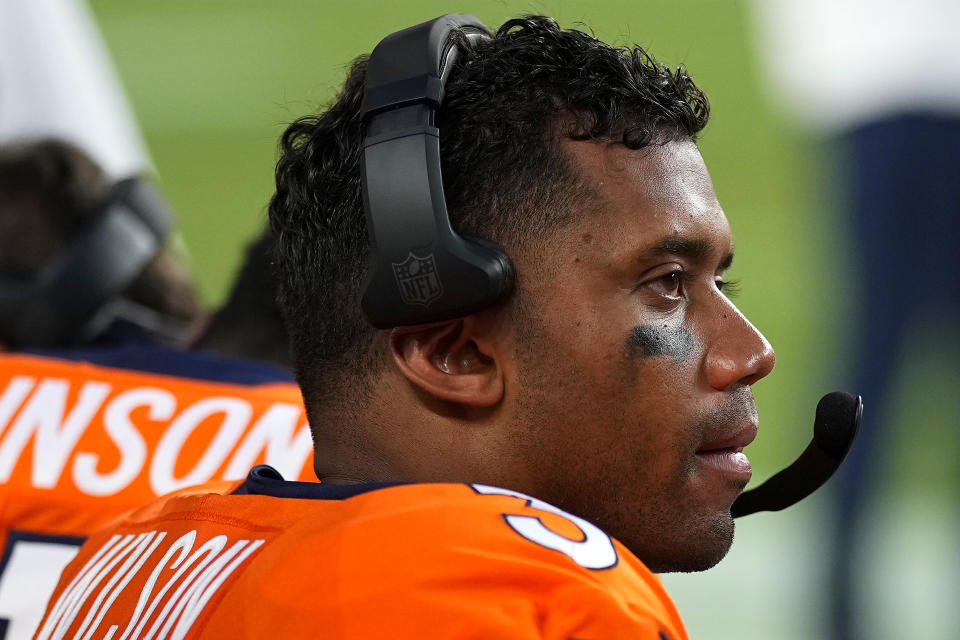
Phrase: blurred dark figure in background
(904, 199)
(105, 400)
(249, 324)
(83, 259)
(882, 85)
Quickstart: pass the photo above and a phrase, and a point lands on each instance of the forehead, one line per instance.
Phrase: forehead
(643, 197)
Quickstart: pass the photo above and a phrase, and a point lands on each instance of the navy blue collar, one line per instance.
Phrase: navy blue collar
(264, 480)
(198, 365)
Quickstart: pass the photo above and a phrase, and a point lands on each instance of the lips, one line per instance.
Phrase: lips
(734, 441)
(724, 453)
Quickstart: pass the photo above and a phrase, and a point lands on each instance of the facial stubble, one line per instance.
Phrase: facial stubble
(661, 525)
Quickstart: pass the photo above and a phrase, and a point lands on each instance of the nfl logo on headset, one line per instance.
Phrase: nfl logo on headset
(418, 280)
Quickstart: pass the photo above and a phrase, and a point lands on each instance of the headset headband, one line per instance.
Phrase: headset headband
(51, 307)
(420, 269)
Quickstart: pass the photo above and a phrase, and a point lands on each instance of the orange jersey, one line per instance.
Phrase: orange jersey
(81, 444)
(274, 559)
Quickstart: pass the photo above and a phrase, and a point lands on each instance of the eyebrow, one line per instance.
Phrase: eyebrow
(694, 249)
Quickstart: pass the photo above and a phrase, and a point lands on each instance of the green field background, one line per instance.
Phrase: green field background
(214, 82)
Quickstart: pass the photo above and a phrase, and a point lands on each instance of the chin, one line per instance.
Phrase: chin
(695, 548)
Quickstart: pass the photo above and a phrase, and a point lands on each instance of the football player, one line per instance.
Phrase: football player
(517, 467)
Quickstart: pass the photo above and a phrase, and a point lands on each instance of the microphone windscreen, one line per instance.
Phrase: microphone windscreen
(836, 421)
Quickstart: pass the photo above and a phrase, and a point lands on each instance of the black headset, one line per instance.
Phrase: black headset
(420, 270)
(51, 306)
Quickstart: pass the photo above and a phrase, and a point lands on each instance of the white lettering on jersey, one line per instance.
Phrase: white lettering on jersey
(287, 447)
(13, 396)
(594, 551)
(43, 417)
(133, 448)
(172, 610)
(236, 414)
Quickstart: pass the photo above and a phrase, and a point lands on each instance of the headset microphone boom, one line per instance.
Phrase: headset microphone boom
(834, 430)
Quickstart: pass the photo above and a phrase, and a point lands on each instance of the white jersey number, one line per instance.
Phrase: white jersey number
(29, 572)
(594, 551)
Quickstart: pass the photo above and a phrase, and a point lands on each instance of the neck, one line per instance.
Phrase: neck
(337, 478)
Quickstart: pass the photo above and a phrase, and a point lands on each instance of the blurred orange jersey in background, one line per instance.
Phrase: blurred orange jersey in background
(269, 558)
(82, 443)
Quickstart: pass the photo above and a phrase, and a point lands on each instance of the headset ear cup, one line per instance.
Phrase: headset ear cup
(420, 269)
(507, 279)
(97, 265)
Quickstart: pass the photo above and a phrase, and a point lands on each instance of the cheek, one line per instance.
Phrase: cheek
(627, 401)
(661, 340)
(661, 400)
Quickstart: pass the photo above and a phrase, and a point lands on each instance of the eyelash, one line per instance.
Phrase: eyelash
(729, 288)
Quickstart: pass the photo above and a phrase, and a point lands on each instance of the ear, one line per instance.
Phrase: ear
(445, 360)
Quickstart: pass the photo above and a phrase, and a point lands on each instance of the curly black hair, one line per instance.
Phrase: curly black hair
(508, 103)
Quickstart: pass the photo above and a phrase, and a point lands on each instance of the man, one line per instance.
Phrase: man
(107, 409)
(517, 472)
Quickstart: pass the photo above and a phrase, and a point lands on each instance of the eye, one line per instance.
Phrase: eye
(669, 285)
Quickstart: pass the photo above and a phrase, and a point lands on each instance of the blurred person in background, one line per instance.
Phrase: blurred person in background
(84, 258)
(880, 82)
(249, 324)
(114, 387)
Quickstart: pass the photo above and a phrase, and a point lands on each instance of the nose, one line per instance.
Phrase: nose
(740, 354)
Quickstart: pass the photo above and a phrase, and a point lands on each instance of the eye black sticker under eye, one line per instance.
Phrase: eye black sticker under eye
(657, 340)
